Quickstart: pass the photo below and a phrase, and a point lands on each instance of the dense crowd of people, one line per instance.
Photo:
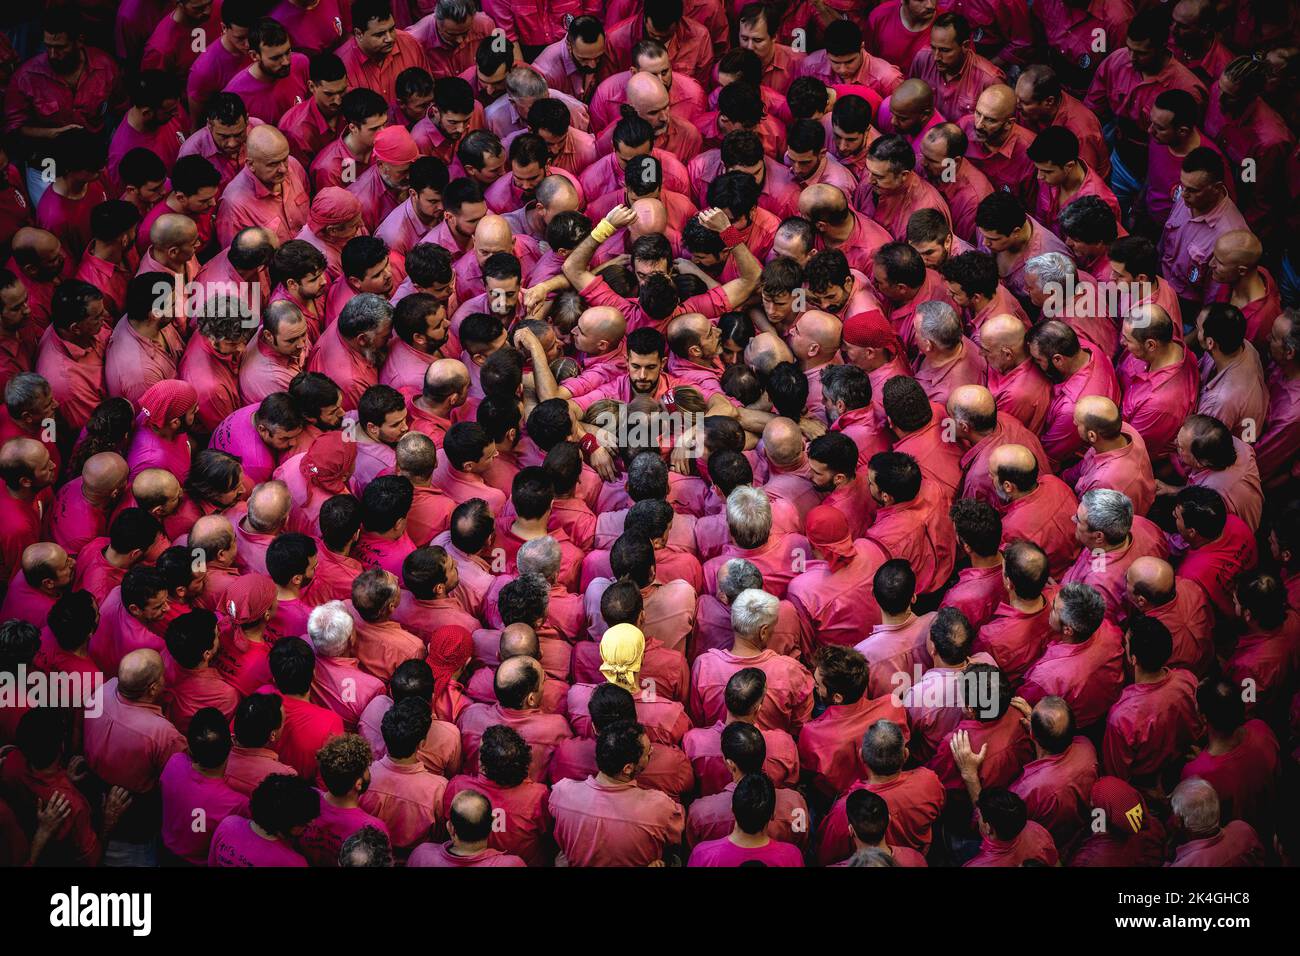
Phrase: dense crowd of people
(677, 432)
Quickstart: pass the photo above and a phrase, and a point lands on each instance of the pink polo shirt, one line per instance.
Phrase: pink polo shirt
(211, 71)
(1243, 776)
(1045, 516)
(407, 797)
(69, 219)
(1151, 725)
(968, 367)
(976, 482)
(861, 244)
(838, 605)
(1051, 202)
(977, 594)
(1034, 842)
(606, 174)
(1126, 469)
(1187, 244)
(184, 790)
(1106, 573)
(920, 532)
(132, 363)
(248, 202)
(703, 747)
(914, 797)
(440, 751)
(316, 28)
(201, 144)
(1089, 675)
(1014, 638)
(613, 825)
(321, 841)
(263, 371)
(1007, 166)
(723, 852)
(75, 374)
(306, 728)
(956, 97)
(1239, 484)
(215, 377)
(444, 60)
(1009, 744)
(830, 744)
(887, 37)
(1023, 393)
(235, 844)
(895, 649)
(665, 720)
(524, 814)
(1157, 403)
(1236, 844)
(787, 704)
(308, 131)
(249, 766)
(1237, 393)
(931, 710)
(269, 101)
(349, 369)
(74, 521)
(1119, 89)
(129, 744)
(1060, 435)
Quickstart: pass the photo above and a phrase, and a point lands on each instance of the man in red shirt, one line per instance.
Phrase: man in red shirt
(306, 726)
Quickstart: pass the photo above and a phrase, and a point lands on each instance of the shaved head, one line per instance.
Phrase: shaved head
(493, 234)
(972, 403)
(646, 93)
(104, 474)
(138, 670)
(766, 351)
(35, 243)
(1239, 247)
(1151, 579)
(913, 96)
(821, 328)
(43, 554)
(155, 485)
(268, 506)
(1097, 413)
(519, 640)
(651, 217)
(171, 229)
(1015, 457)
(997, 101)
(265, 142)
(783, 441)
(446, 375)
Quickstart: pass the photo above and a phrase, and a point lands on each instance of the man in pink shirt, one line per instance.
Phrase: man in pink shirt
(1036, 506)
(1155, 719)
(1042, 102)
(225, 55)
(1212, 458)
(146, 346)
(1084, 663)
(130, 743)
(194, 781)
(841, 227)
(1016, 381)
(952, 68)
(82, 506)
(71, 356)
(223, 138)
(286, 806)
(981, 428)
(1063, 176)
(449, 35)
(1116, 458)
(1220, 544)
(1075, 368)
(830, 745)
(277, 78)
(1202, 212)
(270, 192)
(470, 817)
(1112, 537)
(843, 60)
(318, 120)
(789, 699)
(1233, 386)
(1196, 808)
(891, 191)
(942, 154)
(897, 645)
(518, 687)
(1159, 379)
(999, 145)
(155, 121)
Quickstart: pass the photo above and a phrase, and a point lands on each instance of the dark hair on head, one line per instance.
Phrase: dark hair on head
(883, 749)
(1149, 641)
(807, 96)
(289, 555)
(360, 255)
(377, 403)
(650, 518)
(618, 745)
(1056, 146)
(1203, 159)
(621, 604)
(632, 131)
(413, 678)
(213, 474)
(633, 557)
(567, 230)
(209, 738)
(903, 265)
(405, 726)
(1001, 213)
(386, 501)
(844, 672)
(647, 341)
(176, 565)
(19, 642)
(1202, 510)
(323, 67)
(1219, 701)
(453, 94)
(1053, 337)
(1025, 566)
(1151, 24)
(897, 474)
(740, 102)
(40, 737)
(1182, 105)
(257, 717)
(267, 32)
(700, 239)
(225, 109)
(927, 225)
(529, 149)
(292, 665)
(1226, 325)
(906, 403)
(472, 525)
(531, 492)
(610, 704)
(491, 55)
(429, 172)
(504, 756)
(753, 802)
(140, 584)
(975, 272)
(1262, 595)
(283, 802)
(71, 302)
(895, 150)
(894, 586)
(1138, 255)
(295, 260)
(109, 220)
(1089, 219)
(806, 136)
(78, 151)
(109, 427)
(737, 193)
(1003, 811)
(134, 529)
(951, 634)
(978, 525)
(72, 619)
(369, 847)
(140, 165)
(745, 690)
(745, 65)
(868, 815)
(851, 113)
(842, 38)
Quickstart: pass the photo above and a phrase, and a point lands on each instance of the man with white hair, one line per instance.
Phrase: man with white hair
(1195, 806)
(1112, 537)
(778, 557)
(338, 682)
(789, 699)
(524, 87)
(1056, 287)
(946, 359)
(713, 613)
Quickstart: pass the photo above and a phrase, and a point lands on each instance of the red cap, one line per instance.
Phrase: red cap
(249, 597)
(171, 398)
(1121, 803)
(870, 330)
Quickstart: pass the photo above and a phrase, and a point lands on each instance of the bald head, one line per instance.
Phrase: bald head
(783, 441)
(215, 535)
(651, 217)
(973, 404)
(514, 677)
(820, 329)
(1150, 581)
(138, 672)
(41, 560)
(912, 96)
(265, 142)
(153, 486)
(471, 810)
(601, 323)
(1012, 458)
(1239, 248)
(444, 376)
(519, 640)
(268, 506)
(104, 475)
(23, 453)
(822, 202)
(492, 234)
(646, 93)
(766, 351)
(556, 194)
(171, 230)
(998, 102)
(1099, 416)
(1051, 717)
(32, 243)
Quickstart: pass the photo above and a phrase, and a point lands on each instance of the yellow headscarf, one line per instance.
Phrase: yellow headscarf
(621, 650)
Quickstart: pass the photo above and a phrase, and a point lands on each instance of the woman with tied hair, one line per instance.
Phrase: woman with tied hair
(215, 483)
(622, 651)
(316, 475)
